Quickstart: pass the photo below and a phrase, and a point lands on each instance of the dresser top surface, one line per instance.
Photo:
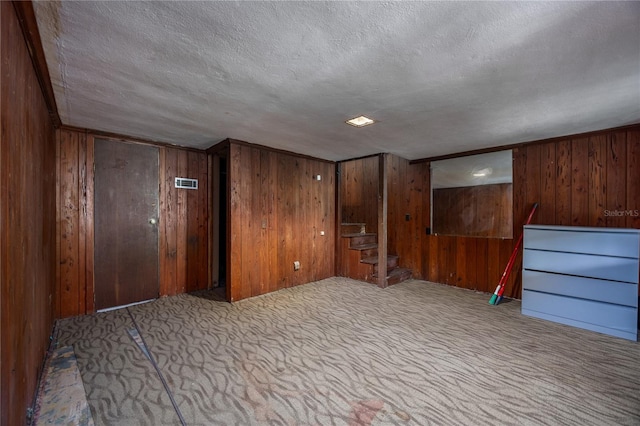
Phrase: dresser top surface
(584, 229)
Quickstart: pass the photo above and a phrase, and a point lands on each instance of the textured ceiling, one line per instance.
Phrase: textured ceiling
(439, 77)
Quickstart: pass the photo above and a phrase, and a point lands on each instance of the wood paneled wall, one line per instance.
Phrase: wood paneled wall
(183, 223)
(276, 213)
(27, 223)
(408, 194)
(478, 211)
(587, 180)
(359, 180)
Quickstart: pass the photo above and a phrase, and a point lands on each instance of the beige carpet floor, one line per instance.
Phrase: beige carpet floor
(343, 352)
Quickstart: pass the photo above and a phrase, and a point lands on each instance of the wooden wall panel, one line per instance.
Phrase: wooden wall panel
(597, 179)
(563, 183)
(579, 181)
(27, 223)
(633, 183)
(359, 186)
(72, 223)
(616, 180)
(590, 180)
(277, 212)
(183, 222)
(408, 194)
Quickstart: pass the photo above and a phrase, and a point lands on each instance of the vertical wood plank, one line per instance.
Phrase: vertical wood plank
(89, 246)
(273, 220)
(482, 266)
(616, 180)
(533, 187)
(461, 262)
(170, 221)
(59, 212)
(597, 179)
(580, 182)
(494, 263)
(216, 216)
(520, 175)
(181, 225)
(82, 224)
(235, 283)
(191, 223)
(546, 215)
(255, 225)
(563, 183)
(384, 166)
(69, 224)
(633, 183)
(470, 266)
(434, 256)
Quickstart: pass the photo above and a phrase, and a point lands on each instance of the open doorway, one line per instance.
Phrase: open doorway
(219, 209)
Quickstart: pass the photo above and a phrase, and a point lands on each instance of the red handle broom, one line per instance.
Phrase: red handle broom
(496, 297)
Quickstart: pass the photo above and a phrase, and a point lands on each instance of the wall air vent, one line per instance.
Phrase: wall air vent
(185, 183)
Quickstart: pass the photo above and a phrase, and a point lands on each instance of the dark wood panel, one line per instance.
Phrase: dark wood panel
(27, 222)
(548, 172)
(278, 209)
(181, 228)
(359, 184)
(633, 183)
(580, 182)
(408, 212)
(616, 181)
(563, 183)
(597, 180)
(69, 223)
(482, 269)
(168, 222)
(75, 224)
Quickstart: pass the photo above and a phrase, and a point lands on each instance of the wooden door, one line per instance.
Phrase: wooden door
(126, 223)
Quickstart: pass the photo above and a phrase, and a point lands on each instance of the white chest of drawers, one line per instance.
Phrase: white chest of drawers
(584, 277)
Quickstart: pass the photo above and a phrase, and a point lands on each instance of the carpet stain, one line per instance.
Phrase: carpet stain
(403, 416)
(363, 412)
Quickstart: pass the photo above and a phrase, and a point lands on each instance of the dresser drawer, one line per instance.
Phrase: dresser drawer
(622, 244)
(585, 288)
(597, 316)
(583, 265)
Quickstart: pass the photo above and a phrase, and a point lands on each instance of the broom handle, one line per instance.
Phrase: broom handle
(497, 295)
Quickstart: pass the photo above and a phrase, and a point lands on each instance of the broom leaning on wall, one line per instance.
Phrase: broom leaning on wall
(497, 294)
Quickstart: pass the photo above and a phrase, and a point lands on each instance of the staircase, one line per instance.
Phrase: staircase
(360, 256)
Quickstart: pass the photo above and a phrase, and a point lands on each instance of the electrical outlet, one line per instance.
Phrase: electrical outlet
(296, 265)
(321, 232)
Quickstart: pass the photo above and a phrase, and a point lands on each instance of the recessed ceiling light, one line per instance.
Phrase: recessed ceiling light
(360, 121)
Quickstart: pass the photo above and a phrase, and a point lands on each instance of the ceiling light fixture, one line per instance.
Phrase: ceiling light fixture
(360, 121)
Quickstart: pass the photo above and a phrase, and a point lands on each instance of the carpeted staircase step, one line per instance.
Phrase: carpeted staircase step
(397, 275)
(360, 239)
(392, 262)
(366, 250)
(350, 228)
